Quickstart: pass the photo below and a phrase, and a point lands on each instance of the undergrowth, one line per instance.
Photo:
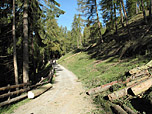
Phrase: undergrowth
(10, 108)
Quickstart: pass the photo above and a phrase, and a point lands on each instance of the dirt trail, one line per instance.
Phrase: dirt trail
(66, 97)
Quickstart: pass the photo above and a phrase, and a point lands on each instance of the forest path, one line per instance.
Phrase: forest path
(66, 97)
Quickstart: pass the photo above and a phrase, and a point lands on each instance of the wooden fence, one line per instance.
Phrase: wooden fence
(18, 92)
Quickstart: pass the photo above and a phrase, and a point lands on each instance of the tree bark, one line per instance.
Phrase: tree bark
(137, 80)
(136, 8)
(144, 13)
(25, 44)
(13, 100)
(150, 10)
(118, 94)
(115, 17)
(128, 110)
(120, 10)
(124, 10)
(14, 46)
(13, 86)
(142, 87)
(14, 93)
(118, 109)
(99, 24)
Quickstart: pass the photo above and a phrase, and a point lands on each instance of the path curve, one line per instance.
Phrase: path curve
(66, 97)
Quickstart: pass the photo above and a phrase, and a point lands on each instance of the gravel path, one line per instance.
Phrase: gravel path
(66, 97)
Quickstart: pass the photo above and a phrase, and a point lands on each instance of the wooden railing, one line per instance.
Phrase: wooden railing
(16, 91)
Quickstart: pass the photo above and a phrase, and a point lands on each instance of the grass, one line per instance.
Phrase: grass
(10, 108)
(93, 73)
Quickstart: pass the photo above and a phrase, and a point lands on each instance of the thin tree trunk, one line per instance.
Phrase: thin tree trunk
(120, 10)
(150, 10)
(77, 42)
(115, 17)
(136, 8)
(80, 39)
(124, 10)
(14, 46)
(33, 59)
(126, 17)
(144, 13)
(25, 44)
(99, 24)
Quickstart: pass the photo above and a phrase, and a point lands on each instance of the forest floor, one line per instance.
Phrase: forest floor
(66, 97)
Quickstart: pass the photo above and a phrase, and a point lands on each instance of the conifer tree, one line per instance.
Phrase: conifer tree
(25, 44)
(14, 46)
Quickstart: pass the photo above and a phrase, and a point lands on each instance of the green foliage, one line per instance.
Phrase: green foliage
(131, 6)
(76, 32)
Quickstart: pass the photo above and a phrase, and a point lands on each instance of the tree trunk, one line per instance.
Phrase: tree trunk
(144, 13)
(120, 10)
(136, 8)
(77, 42)
(25, 44)
(118, 109)
(128, 110)
(34, 93)
(115, 17)
(124, 10)
(141, 87)
(13, 100)
(80, 39)
(99, 24)
(14, 46)
(150, 10)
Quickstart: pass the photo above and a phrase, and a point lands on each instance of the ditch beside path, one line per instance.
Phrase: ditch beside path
(66, 97)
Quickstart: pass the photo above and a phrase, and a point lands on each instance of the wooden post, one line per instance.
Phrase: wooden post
(8, 92)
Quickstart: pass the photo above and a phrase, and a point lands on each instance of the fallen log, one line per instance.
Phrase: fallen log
(137, 80)
(118, 94)
(13, 100)
(128, 110)
(142, 68)
(98, 90)
(34, 93)
(139, 71)
(106, 87)
(141, 87)
(118, 109)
